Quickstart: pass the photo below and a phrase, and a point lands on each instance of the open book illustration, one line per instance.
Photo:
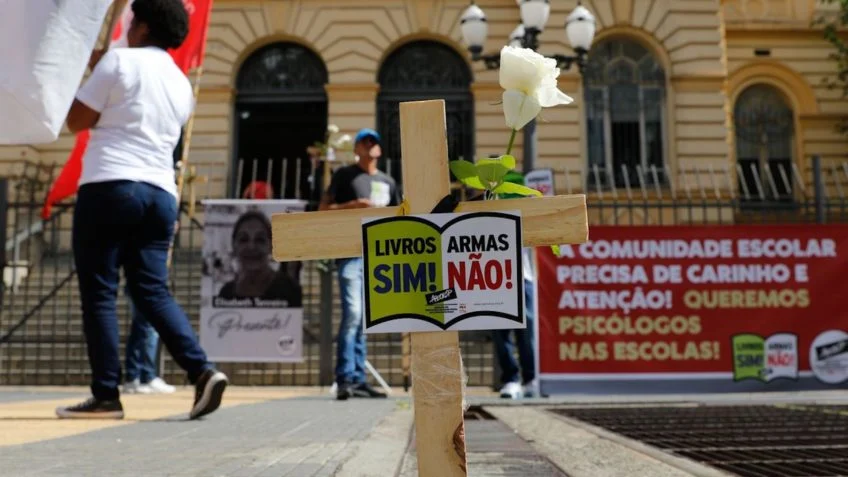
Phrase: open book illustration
(443, 271)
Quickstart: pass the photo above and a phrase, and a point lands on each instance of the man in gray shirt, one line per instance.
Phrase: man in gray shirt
(356, 186)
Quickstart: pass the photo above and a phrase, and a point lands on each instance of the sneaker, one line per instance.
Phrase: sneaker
(344, 391)
(208, 392)
(512, 390)
(92, 409)
(531, 389)
(159, 386)
(135, 387)
(365, 390)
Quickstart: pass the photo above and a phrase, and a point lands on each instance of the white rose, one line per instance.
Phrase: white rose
(530, 83)
(332, 129)
(343, 141)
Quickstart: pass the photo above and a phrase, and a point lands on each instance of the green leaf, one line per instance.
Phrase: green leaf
(518, 189)
(491, 171)
(508, 161)
(466, 172)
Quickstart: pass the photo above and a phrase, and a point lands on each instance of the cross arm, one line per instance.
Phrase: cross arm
(325, 234)
(338, 233)
(556, 220)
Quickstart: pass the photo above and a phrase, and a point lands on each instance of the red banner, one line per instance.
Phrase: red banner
(747, 302)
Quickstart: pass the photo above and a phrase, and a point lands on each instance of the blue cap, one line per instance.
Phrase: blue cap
(366, 133)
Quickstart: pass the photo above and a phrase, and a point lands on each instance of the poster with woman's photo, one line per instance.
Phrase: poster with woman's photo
(251, 306)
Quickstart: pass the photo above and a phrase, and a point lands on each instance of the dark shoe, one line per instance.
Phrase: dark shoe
(344, 391)
(92, 409)
(208, 392)
(365, 390)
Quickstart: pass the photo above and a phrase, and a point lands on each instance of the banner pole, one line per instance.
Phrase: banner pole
(117, 14)
(189, 128)
(180, 184)
(183, 164)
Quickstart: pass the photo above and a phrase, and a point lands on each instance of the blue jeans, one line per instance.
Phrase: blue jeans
(505, 347)
(129, 224)
(142, 347)
(350, 343)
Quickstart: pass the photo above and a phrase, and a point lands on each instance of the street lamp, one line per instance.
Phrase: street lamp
(579, 29)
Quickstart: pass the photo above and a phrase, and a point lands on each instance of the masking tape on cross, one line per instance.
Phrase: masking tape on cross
(433, 370)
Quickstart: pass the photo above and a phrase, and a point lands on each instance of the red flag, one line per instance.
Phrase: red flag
(188, 56)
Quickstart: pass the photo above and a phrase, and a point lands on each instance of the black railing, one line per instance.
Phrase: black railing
(41, 338)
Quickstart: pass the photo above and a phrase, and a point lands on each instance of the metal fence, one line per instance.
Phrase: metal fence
(41, 338)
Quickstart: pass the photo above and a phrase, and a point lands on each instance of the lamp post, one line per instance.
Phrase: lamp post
(579, 28)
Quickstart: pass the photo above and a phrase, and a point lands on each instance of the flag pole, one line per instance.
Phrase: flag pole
(183, 164)
(116, 15)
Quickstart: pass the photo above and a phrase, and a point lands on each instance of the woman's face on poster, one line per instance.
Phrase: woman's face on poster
(252, 245)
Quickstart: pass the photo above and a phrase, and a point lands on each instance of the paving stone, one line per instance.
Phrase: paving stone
(301, 437)
(21, 396)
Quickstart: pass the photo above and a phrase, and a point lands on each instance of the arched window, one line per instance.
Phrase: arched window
(424, 70)
(763, 124)
(280, 110)
(625, 114)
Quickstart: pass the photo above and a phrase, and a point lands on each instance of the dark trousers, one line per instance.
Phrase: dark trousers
(142, 347)
(524, 339)
(129, 224)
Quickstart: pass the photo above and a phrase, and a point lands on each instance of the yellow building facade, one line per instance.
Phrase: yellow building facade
(676, 85)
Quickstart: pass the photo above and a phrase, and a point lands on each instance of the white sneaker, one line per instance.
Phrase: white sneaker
(531, 389)
(159, 386)
(135, 387)
(512, 391)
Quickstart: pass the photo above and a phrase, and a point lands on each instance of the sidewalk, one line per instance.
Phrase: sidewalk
(305, 432)
(258, 432)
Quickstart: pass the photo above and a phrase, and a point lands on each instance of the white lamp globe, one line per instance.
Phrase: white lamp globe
(580, 28)
(535, 13)
(474, 27)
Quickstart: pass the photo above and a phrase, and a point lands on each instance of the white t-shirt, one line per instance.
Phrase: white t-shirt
(144, 100)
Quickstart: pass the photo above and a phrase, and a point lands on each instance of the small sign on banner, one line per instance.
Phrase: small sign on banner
(443, 271)
(542, 180)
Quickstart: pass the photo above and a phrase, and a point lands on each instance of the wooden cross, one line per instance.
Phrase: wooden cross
(437, 394)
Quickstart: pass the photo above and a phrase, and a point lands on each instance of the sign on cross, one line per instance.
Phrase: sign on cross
(436, 361)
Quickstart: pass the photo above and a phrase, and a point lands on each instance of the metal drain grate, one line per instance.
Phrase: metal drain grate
(493, 449)
(748, 441)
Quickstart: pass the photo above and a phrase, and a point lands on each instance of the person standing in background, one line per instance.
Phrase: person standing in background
(519, 381)
(356, 186)
(141, 373)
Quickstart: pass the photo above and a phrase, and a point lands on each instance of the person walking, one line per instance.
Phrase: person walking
(135, 102)
(356, 186)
